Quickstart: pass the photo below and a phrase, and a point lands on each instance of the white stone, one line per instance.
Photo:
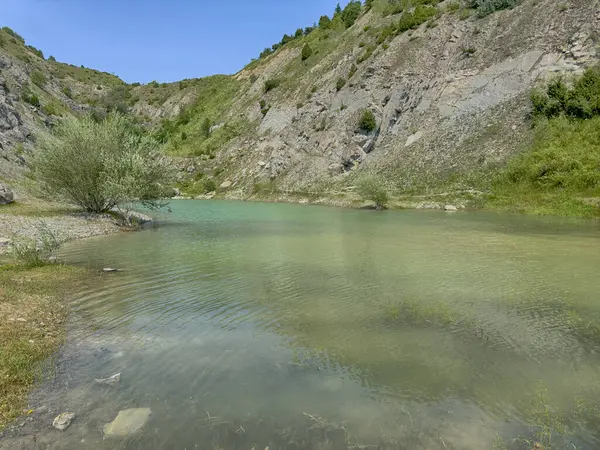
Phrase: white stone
(127, 422)
(62, 421)
(450, 208)
(110, 381)
(413, 138)
(226, 184)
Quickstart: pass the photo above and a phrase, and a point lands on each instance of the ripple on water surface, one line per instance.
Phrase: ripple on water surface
(286, 325)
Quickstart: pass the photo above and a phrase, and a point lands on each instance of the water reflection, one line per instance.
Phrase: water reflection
(326, 328)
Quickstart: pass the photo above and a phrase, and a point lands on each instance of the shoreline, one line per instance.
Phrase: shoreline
(35, 318)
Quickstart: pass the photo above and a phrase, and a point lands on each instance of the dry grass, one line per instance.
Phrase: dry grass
(32, 315)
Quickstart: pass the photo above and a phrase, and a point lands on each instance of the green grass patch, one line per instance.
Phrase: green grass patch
(32, 314)
(559, 175)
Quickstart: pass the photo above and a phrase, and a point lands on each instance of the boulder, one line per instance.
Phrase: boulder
(226, 184)
(6, 195)
(128, 422)
(450, 208)
(62, 421)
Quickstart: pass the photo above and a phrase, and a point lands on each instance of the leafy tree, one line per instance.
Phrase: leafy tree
(99, 166)
(368, 4)
(338, 10)
(266, 52)
(306, 52)
(205, 128)
(52, 58)
(299, 33)
(372, 188)
(286, 39)
(324, 22)
(351, 13)
(308, 30)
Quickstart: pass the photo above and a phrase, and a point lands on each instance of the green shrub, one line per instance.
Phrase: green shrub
(52, 59)
(36, 51)
(117, 99)
(566, 155)
(52, 109)
(299, 33)
(266, 52)
(341, 82)
(37, 253)
(580, 101)
(371, 187)
(306, 52)
(452, 7)
(367, 122)
(205, 128)
(30, 97)
(38, 78)
(368, 5)
(13, 33)
(67, 91)
(366, 55)
(324, 22)
(352, 71)
(99, 166)
(485, 7)
(351, 12)
(411, 20)
(209, 185)
(271, 84)
(388, 31)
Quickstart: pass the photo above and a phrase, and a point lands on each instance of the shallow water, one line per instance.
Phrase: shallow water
(285, 326)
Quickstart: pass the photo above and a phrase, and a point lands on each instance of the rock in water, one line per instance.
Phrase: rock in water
(110, 269)
(127, 422)
(62, 421)
(110, 381)
(450, 208)
(6, 195)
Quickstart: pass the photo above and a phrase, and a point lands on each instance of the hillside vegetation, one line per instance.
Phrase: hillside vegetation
(453, 101)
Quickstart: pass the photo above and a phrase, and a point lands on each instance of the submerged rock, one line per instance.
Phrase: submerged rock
(110, 381)
(128, 421)
(110, 269)
(62, 421)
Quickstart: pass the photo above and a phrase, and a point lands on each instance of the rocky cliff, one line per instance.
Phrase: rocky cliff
(449, 95)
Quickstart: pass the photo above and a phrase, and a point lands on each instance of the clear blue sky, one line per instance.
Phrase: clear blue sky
(145, 40)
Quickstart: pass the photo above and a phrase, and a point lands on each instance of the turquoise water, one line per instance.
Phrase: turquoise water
(286, 326)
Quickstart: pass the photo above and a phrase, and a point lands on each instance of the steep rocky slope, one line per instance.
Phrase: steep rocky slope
(450, 97)
(34, 93)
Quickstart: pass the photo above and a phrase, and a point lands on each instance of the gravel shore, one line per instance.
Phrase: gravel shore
(65, 227)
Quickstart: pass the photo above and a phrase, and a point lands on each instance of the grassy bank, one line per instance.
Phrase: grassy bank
(32, 316)
(559, 175)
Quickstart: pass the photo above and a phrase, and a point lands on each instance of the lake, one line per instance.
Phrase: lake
(248, 325)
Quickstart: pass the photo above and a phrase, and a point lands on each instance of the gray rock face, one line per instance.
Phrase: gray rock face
(128, 422)
(6, 195)
(62, 421)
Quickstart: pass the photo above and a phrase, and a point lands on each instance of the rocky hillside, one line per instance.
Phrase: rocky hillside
(420, 92)
(34, 93)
